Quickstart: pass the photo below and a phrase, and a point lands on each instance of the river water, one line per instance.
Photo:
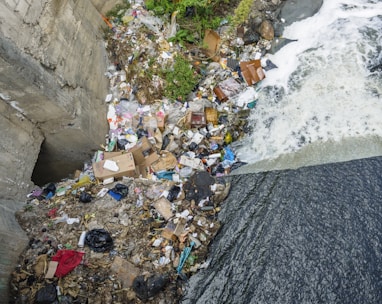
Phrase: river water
(311, 232)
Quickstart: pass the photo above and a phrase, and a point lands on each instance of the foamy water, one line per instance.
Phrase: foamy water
(323, 90)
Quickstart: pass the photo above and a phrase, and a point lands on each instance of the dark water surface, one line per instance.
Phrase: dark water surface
(311, 235)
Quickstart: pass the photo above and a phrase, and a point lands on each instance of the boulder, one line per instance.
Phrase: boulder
(266, 30)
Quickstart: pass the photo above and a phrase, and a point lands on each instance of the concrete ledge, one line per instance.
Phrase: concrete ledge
(13, 241)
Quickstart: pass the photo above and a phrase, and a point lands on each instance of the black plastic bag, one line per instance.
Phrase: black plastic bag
(173, 193)
(121, 143)
(119, 191)
(165, 142)
(85, 197)
(198, 186)
(46, 295)
(99, 240)
(146, 289)
(49, 191)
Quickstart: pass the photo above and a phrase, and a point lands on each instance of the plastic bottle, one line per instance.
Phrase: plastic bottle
(81, 241)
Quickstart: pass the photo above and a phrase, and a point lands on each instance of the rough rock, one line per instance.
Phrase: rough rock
(266, 30)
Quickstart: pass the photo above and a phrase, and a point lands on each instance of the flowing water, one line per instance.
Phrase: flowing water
(312, 232)
(323, 92)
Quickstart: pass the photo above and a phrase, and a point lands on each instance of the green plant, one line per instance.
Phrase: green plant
(28, 208)
(242, 12)
(160, 7)
(191, 23)
(182, 36)
(180, 79)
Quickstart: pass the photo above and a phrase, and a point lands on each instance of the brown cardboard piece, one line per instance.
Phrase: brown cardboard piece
(108, 155)
(125, 271)
(195, 119)
(163, 206)
(167, 161)
(252, 71)
(125, 163)
(212, 41)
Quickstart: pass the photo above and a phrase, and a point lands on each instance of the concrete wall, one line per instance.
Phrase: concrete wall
(52, 90)
(52, 62)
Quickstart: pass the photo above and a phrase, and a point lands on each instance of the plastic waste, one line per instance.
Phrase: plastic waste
(198, 186)
(49, 191)
(83, 181)
(47, 294)
(81, 241)
(152, 23)
(66, 219)
(228, 154)
(185, 172)
(146, 289)
(119, 191)
(85, 197)
(173, 193)
(165, 175)
(99, 240)
(184, 256)
(67, 261)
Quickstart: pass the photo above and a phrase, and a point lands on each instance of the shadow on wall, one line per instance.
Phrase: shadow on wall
(46, 170)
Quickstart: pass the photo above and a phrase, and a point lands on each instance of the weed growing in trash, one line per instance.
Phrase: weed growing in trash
(180, 79)
(193, 16)
(242, 12)
(182, 36)
(160, 7)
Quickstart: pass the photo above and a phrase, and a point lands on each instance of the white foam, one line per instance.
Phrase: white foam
(330, 96)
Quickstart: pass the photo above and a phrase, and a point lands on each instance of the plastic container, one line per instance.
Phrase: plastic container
(81, 241)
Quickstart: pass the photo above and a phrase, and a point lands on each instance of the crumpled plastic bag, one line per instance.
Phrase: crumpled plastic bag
(119, 191)
(173, 193)
(99, 240)
(46, 295)
(85, 197)
(67, 261)
(146, 289)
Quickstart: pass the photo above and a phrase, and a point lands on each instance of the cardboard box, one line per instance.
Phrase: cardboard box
(252, 71)
(125, 163)
(195, 120)
(144, 155)
(108, 155)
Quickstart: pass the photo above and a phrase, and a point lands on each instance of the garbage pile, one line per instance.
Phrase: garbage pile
(136, 222)
(121, 243)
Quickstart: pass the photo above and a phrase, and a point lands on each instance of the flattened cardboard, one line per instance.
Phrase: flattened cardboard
(163, 206)
(167, 161)
(124, 271)
(212, 40)
(125, 164)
